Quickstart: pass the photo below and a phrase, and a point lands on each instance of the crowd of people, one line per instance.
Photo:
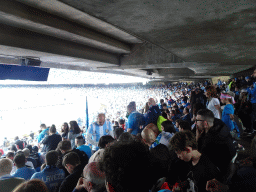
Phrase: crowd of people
(176, 137)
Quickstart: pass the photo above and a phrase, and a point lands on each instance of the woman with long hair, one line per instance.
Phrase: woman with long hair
(213, 101)
(74, 132)
(64, 131)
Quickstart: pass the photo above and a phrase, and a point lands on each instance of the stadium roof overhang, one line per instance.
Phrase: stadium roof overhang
(160, 40)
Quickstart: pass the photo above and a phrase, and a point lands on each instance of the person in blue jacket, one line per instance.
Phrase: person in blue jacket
(51, 175)
(44, 132)
(253, 101)
(186, 116)
(22, 171)
(151, 116)
(228, 111)
(136, 120)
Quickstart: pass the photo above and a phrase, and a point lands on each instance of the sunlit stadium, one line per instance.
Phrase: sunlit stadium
(127, 95)
(27, 104)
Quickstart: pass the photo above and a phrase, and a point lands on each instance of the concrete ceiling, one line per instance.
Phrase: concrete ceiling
(173, 39)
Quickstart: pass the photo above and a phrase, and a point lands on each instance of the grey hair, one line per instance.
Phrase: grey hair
(91, 176)
(5, 166)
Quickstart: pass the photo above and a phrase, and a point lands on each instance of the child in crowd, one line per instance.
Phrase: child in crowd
(200, 170)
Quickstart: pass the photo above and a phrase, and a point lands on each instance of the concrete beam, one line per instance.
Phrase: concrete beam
(153, 66)
(70, 13)
(26, 17)
(149, 54)
(14, 37)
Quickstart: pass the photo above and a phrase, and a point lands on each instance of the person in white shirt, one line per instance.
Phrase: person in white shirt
(213, 102)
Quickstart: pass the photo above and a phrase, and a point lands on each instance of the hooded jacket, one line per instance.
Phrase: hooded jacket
(218, 145)
(152, 115)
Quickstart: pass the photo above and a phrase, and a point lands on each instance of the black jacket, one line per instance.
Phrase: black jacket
(69, 183)
(218, 145)
(51, 142)
(82, 156)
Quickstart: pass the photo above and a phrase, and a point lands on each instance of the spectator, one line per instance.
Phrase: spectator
(73, 165)
(122, 123)
(31, 163)
(51, 171)
(10, 155)
(199, 97)
(167, 126)
(115, 125)
(177, 124)
(6, 142)
(38, 158)
(13, 148)
(93, 179)
(125, 137)
(31, 186)
(160, 162)
(43, 133)
(174, 116)
(201, 169)
(196, 108)
(253, 101)
(153, 113)
(8, 182)
(148, 136)
(186, 116)
(243, 110)
(184, 126)
(104, 141)
(214, 139)
(52, 140)
(22, 171)
(65, 148)
(228, 111)
(19, 143)
(118, 132)
(79, 141)
(244, 179)
(161, 104)
(135, 120)
(73, 133)
(64, 131)
(97, 130)
(120, 161)
(32, 135)
(97, 156)
(219, 84)
(214, 103)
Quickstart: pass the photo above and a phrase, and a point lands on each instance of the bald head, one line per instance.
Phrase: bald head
(148, 136)
(95, 178)
(153, 127)
(5, 166)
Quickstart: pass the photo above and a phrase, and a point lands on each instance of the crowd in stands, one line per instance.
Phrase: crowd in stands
(184, 138)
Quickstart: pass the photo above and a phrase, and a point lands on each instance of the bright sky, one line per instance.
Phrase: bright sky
(63, 76)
